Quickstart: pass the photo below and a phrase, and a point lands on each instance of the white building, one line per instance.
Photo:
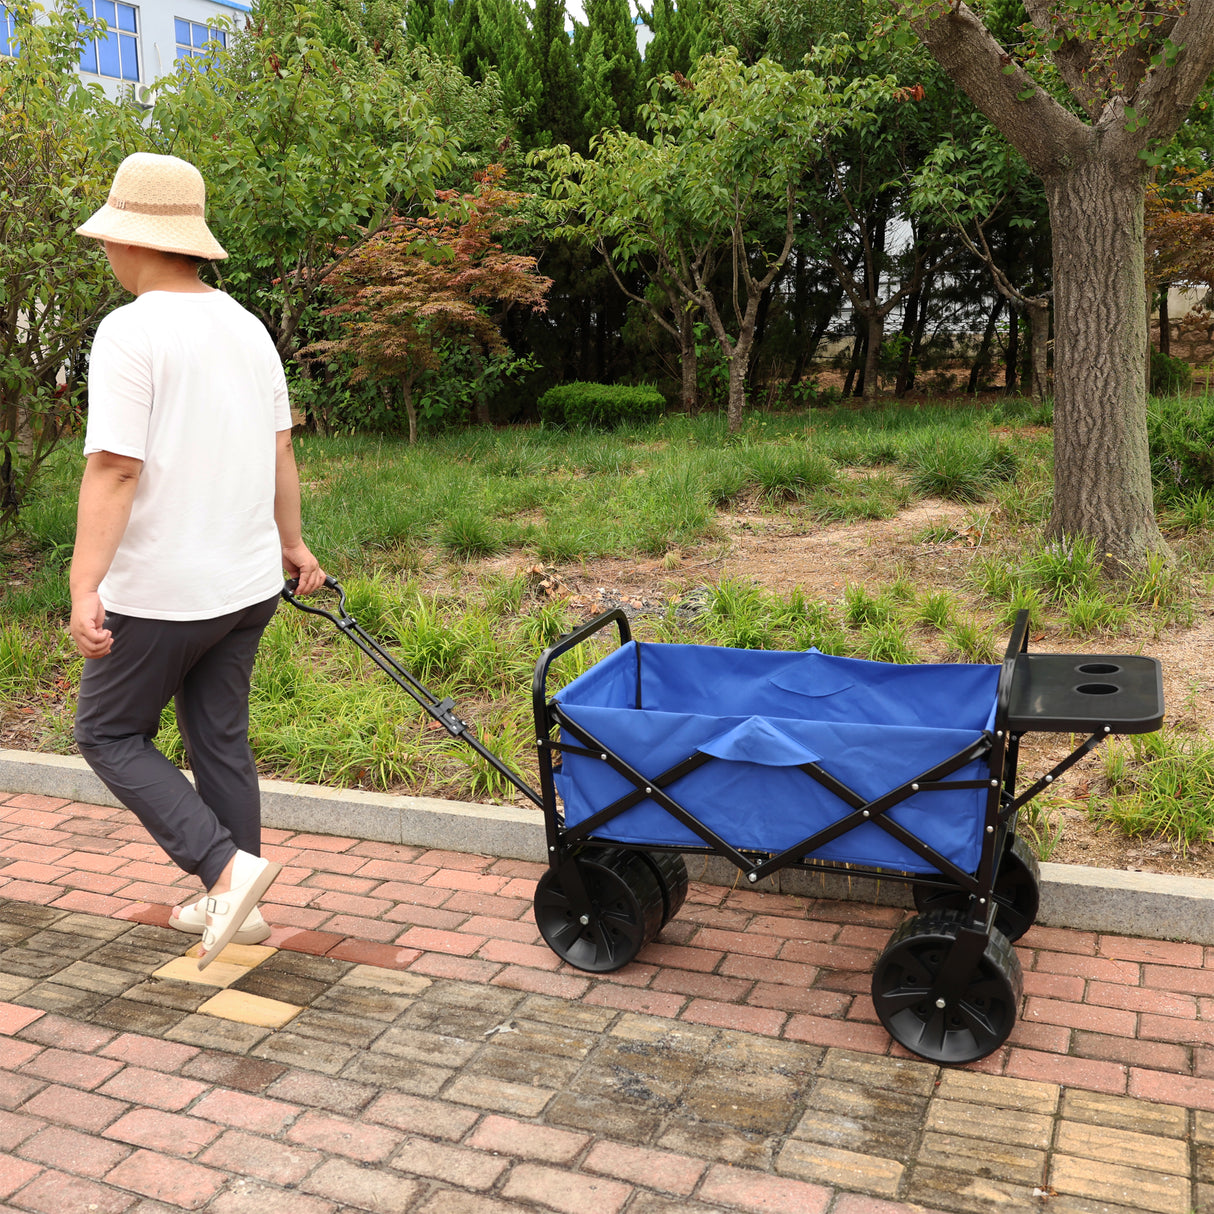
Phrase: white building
(143, 41)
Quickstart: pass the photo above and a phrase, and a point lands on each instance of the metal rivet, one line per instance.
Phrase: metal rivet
(865, 813)
(981, 901)
(941, 1004)
(752, 877)
(998, 733)
(648, 789)
(1108, 729)
(539, 741)
(994, 783)
(914, 788)
(990, 830)
(603, 757)
(585, 920)
(1049, 779)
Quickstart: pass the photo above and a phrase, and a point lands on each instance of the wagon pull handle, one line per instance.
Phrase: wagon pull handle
(442, 711)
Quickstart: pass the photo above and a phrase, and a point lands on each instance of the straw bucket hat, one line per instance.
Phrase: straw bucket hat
(156, 202)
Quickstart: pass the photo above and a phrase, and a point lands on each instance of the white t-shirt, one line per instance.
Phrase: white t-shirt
(191, 385)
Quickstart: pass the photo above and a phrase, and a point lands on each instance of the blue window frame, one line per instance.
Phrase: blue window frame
(8, 32)
(192, 39)
(116, 52)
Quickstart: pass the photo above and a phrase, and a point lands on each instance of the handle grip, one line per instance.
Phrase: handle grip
(290, 585)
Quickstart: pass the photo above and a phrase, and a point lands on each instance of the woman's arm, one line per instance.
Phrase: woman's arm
(107, 490)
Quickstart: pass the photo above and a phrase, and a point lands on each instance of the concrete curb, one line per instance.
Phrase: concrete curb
(1090, 899)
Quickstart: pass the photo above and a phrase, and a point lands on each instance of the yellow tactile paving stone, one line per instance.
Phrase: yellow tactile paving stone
(185, 969)
(250, 1009)
(230, 966)
(246, 955)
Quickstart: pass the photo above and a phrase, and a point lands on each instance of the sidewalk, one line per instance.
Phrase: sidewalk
(407, 1043)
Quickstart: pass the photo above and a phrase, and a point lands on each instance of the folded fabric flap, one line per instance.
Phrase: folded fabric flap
(757, 740)
(814, 675)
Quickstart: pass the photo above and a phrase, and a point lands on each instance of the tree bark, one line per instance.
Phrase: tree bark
(910, 329)
(1102, 473)
(983, 357)
(406, 391)
(874, 325)
(1038, 312)
(688, 362)
(1011, 364)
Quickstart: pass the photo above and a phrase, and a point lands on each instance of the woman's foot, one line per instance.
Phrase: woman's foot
(231, 899)
(192, 917)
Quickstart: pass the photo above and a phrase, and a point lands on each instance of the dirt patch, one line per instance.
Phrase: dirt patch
(787, 554)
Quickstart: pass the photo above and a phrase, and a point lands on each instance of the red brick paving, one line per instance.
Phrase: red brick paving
(1105, 1012)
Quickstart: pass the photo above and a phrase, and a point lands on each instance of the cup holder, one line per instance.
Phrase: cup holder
(1097, 689)
(1098, 668)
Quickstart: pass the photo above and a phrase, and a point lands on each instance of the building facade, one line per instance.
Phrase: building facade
(143, 40)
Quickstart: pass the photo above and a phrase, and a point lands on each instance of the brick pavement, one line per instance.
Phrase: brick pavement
(438, 1057)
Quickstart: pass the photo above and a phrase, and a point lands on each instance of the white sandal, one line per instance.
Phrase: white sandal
(251, 877)
(192, 917)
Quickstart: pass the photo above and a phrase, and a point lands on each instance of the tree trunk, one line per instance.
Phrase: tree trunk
(760, 333)
(983, 357)
(688, 362)
(875, 326)
(1011, 365)
(910, 325)
(1102, 474)
(406, 391)
(856, 366)
(1038, 312)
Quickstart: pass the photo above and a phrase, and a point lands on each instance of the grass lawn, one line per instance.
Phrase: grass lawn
(458, 553)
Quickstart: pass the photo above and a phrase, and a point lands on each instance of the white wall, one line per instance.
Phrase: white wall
(157, 37)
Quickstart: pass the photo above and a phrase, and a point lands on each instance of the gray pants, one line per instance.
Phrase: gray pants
(204, 666)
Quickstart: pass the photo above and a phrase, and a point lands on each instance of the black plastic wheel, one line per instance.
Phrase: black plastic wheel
(671, 871)
(1017, 891)
(624, 912)
(911, 983)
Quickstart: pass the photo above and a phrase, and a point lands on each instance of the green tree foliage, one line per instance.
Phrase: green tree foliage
(681, 34)
(559, 115)
(729, 152)
(60, 142)
(606, 48)
(301, 157)
(978, 184)
(491, 36)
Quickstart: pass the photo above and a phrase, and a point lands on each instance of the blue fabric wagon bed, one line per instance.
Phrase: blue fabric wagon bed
(759, 718)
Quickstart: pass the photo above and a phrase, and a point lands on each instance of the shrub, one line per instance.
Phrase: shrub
(600, 406)
(1169, 375)
(1182, 445)
(962, 466)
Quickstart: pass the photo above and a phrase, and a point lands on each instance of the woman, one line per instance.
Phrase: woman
(188, 516)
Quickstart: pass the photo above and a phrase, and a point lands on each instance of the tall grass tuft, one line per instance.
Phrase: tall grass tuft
(958, 465)
(1066, 567)
(1160, 785)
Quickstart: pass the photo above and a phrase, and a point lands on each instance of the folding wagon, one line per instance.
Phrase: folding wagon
(804, 760)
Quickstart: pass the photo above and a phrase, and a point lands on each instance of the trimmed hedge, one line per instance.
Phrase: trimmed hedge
(600, 406)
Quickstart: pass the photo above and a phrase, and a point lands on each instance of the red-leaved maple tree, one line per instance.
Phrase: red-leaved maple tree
(425, 283)
(1180, 238)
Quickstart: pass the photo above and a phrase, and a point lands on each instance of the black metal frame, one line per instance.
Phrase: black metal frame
(1000, 748)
